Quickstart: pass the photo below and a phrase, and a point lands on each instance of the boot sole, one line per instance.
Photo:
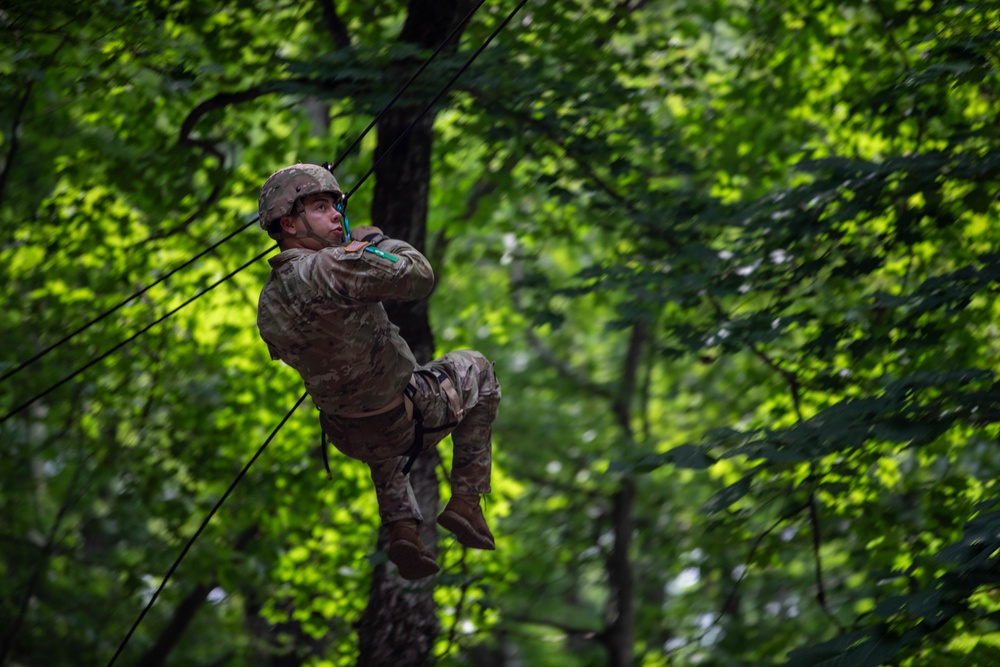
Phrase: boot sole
(466, 534)
(411, 563)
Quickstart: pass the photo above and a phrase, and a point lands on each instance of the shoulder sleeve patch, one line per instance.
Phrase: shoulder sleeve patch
(355, 246)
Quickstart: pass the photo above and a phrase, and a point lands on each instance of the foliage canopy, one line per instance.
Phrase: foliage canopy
(736, 262)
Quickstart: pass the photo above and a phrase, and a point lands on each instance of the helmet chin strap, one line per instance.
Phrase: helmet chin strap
(310, 233)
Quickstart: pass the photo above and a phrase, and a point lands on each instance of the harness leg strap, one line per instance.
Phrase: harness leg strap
(418, 419)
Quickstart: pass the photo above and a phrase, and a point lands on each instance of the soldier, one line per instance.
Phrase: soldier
(321, 313)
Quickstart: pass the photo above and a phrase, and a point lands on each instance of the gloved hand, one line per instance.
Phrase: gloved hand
(359, 233)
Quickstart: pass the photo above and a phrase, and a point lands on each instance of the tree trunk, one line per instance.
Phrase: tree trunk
(171, 635)
(620, 610)
(400, 624)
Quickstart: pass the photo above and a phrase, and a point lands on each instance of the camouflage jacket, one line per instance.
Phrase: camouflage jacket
(321, 313)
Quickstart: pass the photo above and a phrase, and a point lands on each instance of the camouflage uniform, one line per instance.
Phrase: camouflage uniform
(321, 313)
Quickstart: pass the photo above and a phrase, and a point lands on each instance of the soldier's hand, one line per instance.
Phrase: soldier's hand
(359, 233)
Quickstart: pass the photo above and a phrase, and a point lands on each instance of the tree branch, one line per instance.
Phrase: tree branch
(221, 101)
(335, 26)
(570, 630)
(495, 107)
(171, 635)
(646, 389)
(35, 582)
(794, 385)
(545, 352)
(791, 378)
(622, 403)
(621, 9)
(887, 29)
(215, 103)
(484, 187)
(22, 106)
(459, 606)
(816, 543)
(15, 126)
(564, 369)
(728, 606)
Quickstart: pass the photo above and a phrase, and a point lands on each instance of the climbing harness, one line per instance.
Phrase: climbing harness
(409, 394)
(413, 413)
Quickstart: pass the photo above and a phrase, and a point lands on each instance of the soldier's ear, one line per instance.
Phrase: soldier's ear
(288, 224)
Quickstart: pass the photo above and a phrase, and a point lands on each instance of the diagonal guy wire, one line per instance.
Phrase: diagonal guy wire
(204, 523)
(128, 340)
(80, 330)
(215, 245)
(246, 468)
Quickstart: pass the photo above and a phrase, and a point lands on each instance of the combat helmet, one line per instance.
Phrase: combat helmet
(288, 185)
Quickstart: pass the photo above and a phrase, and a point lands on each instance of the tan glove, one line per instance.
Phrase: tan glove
(359, 233)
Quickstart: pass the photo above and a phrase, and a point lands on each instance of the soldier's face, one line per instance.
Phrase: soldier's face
(322, 219)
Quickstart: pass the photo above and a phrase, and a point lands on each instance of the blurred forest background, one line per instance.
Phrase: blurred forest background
(736, 262)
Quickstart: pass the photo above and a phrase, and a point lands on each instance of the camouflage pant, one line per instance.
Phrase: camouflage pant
(383, 441)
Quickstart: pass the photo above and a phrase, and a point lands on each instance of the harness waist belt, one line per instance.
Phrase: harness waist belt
(396, 402)
(413, 413)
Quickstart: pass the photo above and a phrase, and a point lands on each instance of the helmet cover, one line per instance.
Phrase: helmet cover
(286, 186)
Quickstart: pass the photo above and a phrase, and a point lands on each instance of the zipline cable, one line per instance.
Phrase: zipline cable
(114, 309)
(303, 397)
(197, 533)
(215, 245)
(128, 340)
(370, 171)
(437, 97)
(347, 152)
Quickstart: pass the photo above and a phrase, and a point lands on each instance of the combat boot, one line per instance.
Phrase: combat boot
(408, 552)
(463, 517)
